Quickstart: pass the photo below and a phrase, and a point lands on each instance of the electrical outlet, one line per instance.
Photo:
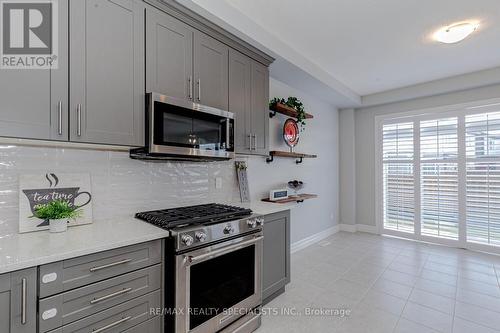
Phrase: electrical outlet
(218, 183)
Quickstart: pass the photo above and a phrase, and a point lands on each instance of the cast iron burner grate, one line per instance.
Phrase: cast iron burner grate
(200, 214)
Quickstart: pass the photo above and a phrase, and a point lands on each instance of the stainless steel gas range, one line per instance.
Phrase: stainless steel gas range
(213, 268)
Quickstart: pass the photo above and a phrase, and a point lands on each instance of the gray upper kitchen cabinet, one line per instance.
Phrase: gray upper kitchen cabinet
(276, 258)
(107, 72)
(210, 71)
(248, 100)
(18, 301)
(260, 108)
(169, 52)
(240, 103)
(34, 102)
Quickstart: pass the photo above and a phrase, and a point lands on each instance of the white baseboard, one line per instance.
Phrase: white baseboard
(303, 243)
(348, 227)
(371, 229)
(359, 227)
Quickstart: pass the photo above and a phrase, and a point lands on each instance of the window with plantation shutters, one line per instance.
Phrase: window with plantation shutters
(398, 177)
(482, 138)
(439, 177)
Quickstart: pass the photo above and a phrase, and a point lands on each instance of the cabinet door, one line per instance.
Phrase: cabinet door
(169, 52)
(210, 71)
(240, 99)
(260, 108)
(107, 72)
(276, 258)
(18, 301)
(34, 102)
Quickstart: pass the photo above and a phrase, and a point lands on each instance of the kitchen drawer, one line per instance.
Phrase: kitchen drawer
(151, 326)
(73, 273)
(76, 304)
(121, 318)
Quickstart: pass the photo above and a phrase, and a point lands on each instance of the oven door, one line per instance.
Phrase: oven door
(182, 128)
(216, 285)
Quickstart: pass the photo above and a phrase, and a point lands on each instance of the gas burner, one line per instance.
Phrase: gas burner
(193, 215)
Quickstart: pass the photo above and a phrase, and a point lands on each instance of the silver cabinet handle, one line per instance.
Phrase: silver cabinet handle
(190, 83)
(59, 118)
(224, 250)
(103, 298)
(98, 268)
(250, 141)
(255, 142)
(107, 327)
(24, 292)
(199, 90)
(79, 120)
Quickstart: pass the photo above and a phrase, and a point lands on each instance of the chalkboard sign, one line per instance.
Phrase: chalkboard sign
(36, 190)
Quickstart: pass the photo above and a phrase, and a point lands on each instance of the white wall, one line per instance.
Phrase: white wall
(365, 135)
(347, 167)
(122, 186)
(321, 175)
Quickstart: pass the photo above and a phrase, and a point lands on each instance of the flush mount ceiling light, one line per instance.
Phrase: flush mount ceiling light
(456, 32)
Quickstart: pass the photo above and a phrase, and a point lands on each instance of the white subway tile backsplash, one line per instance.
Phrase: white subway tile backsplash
(120, 186)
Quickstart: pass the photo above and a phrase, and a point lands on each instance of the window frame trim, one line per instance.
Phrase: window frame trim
(455, 110)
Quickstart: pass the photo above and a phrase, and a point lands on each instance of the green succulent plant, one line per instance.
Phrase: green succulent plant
(57, 209)
(294, 103)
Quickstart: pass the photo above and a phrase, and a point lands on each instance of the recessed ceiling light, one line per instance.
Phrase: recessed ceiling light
(456, 32)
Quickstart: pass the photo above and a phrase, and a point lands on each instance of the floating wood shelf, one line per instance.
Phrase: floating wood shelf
(287, 111)
(298, 156)
(297, 198)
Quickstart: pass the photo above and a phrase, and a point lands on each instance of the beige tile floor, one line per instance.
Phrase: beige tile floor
(384, 284)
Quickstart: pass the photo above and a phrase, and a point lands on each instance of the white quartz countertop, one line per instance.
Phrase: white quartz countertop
(264, 208)
(19, 251)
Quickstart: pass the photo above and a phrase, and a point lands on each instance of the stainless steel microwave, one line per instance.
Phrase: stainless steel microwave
(178, 129)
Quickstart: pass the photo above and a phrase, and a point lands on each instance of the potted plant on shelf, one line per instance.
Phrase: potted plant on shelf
(292, 102)
(58, 213)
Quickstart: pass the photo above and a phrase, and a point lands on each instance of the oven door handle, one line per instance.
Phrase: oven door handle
(224, 250)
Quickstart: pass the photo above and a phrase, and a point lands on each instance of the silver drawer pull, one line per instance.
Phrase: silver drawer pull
(107, 327)
(103, 298)
(24, 291)
(121, 262)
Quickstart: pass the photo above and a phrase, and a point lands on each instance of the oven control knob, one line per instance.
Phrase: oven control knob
(200, 236)
(252, 223)
(260, 220)
(228, 229)
(187, 240)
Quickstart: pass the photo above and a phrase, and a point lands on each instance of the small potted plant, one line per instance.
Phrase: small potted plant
(58, 213)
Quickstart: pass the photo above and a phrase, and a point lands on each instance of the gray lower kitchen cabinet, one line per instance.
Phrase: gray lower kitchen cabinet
(73, 273)
(120, 318)
(107, 72)
(260, 108)
(34, 102)
(240, 103)
(169, 52)
(276, 261)
(18, 301)
(210, 71)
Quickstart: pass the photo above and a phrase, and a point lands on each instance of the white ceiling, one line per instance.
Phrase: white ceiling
(377, 45)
